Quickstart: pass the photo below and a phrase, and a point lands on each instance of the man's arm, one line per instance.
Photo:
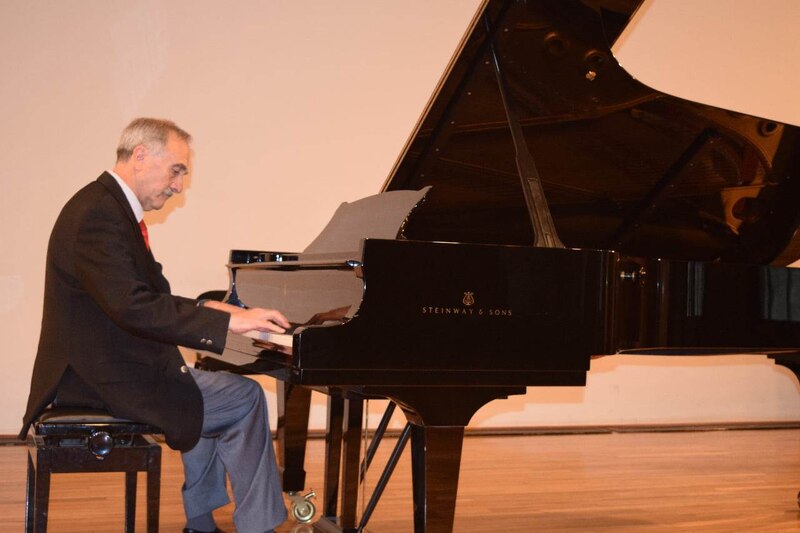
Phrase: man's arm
(244, 320)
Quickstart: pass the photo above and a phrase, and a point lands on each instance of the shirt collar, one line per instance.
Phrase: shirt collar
(136, 205)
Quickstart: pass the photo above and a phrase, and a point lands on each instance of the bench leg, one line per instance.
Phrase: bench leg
(153, 488)
(30, 491)
(41, 491)
(130, 502)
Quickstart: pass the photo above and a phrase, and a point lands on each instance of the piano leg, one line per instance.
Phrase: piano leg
(435, 463)
(351, 455)
(437, 417)
(333, 457)
(294, 403)
(342, 454)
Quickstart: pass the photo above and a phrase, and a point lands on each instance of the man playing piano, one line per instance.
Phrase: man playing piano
(110, 331)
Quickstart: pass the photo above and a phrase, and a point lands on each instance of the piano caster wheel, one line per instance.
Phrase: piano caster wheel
(303, 509)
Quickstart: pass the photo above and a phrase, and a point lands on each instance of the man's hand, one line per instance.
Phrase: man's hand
(336, 315)
(244, 320)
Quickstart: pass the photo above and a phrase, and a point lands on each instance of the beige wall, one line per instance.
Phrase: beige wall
(735, 54)
(295, 107)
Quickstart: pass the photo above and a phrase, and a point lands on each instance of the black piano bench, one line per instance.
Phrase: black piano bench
(76, 440)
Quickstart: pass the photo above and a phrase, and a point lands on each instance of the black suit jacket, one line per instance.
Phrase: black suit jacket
(110, 325)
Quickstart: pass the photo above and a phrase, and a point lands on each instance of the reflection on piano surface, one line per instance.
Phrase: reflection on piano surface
(548, 208)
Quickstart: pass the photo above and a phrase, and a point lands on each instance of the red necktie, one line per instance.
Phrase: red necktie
(143, 227)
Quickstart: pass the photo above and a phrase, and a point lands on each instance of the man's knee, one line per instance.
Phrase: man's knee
(252, 390)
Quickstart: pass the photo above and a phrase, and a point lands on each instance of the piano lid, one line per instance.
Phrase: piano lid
(623, 166)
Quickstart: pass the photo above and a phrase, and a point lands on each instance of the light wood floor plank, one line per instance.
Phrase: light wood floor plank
(743, 480)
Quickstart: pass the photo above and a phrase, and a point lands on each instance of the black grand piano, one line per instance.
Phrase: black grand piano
(548, 208)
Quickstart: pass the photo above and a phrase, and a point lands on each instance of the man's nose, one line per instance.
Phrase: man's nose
(177, 184)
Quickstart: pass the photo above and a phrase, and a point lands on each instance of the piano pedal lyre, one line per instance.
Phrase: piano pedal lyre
(303, 509)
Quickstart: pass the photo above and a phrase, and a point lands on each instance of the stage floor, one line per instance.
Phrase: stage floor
(730, 480)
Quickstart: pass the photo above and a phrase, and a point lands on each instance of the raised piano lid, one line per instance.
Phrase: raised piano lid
(624, 167)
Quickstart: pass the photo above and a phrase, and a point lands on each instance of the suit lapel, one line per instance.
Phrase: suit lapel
(143, 255)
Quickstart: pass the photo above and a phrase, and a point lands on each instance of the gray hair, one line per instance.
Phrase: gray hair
(147, 131)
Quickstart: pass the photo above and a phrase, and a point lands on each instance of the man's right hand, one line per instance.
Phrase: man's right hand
(257, 319)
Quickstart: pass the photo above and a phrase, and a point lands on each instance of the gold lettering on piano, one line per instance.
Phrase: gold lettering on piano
(467, 309)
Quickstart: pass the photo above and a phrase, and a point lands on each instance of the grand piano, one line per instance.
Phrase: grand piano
(547, 209)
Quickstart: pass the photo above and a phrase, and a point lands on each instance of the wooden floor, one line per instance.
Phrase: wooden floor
(736, 480)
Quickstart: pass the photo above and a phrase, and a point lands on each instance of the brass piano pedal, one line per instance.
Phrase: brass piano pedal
(303, 509)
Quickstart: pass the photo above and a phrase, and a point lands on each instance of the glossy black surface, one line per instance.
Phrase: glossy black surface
(437, 313)
(624, 167)
(453, 308)
(696, 308)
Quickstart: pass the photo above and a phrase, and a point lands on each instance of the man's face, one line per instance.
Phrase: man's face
(159, 171)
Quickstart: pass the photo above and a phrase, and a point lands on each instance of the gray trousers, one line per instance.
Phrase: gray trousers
(235, 439)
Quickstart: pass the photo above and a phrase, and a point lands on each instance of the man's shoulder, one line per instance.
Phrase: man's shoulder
(94, 198)
(92, 189)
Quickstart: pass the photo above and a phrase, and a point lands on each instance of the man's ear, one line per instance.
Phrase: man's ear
(139, 152)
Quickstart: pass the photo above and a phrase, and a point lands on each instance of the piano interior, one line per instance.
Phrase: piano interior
(623, 166)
